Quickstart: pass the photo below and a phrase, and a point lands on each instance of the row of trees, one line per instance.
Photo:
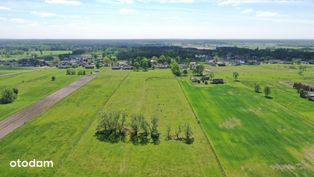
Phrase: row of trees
(267, 90)
(112, 127)
(71, 71)
(8, 95)
(181, 133)
(303, 89)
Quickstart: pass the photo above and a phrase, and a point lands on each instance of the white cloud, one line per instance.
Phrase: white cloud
(266, 14)
(247, 11)
(177, 1)
(65, 2)
(146, 1)
(4, 8)
(43, 14)
(238, 2)
(127, 11)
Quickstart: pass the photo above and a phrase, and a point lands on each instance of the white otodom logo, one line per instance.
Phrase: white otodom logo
(32, 163)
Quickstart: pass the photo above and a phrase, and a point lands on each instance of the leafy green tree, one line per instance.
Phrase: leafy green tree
(145, 64)
(257, 88)
(53, 78)
(267, 91)
(303, 93)
(16, 91)
(154, 130)
(107, 61)
(185, 72)
(189, 139)
(162, 59)
(8, 96)
(137, 66)
(175, 68)
(235, 76)
(199, 69)
(211, 75)
(168, 133)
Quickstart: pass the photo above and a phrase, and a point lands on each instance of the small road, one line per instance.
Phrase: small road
(13, 122)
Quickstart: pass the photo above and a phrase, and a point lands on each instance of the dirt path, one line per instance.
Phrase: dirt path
(13, 122)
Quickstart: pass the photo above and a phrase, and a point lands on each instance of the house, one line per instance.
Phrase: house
(218, 81)
(192, 65)
(126, 67)
(310, 96)
(196, 79)
(221, 64)
(161, 65)
(89, 66)
(116, 68)
(205, 78)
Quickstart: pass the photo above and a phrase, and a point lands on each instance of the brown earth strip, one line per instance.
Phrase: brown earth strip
(13, 122)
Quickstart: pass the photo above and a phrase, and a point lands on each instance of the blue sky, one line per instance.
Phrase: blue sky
(154, 19)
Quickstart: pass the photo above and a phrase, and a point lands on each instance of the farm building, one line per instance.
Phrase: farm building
(205, 78)
(310, 96)
(218, 81)
(196, 79)
(192, 65)
(89, 66)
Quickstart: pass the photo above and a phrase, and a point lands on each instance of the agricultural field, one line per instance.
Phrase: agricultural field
(66, 132)
(30, 54)
(253, 135)
(32, 85)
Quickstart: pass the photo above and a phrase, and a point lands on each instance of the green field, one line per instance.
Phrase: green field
(252, 135)
(32, 85)
(65, 133)
(26, 55)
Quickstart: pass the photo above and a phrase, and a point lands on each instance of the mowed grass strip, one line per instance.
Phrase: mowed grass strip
(32, 87)
(155, 92)
(54, 134)
(255, 136)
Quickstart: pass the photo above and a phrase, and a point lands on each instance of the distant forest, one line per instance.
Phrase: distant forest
(131, 49)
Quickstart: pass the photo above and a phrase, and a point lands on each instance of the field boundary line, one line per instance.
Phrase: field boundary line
(87, 127)
(222, 170)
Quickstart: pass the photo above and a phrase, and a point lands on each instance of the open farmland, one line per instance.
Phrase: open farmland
(25, 55)
(252, 135)
(65, 133)
(32, 87)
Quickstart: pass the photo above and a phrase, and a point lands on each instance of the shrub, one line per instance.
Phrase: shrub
(206, 83)
(70, 72)
(267, 91)
(257, 88)
(189, 139)
(154, 130)
(303, 93)
(16, 91)
(8, 96)
(81, 72)
(53, 78)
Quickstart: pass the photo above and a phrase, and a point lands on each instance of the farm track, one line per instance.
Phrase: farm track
(13, 122)
(223, 172)
(89, 124)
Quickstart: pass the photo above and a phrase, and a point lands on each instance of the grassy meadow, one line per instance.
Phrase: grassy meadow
(26, 55)
(32, 85)
(65, 133)
(253, 135)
